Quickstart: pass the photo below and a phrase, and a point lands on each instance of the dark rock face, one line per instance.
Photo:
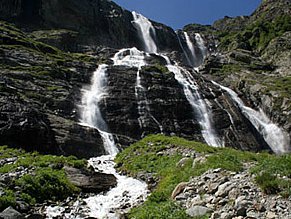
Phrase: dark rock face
(29, 125)
(90, 181)
(39, 88)
(165, 100)
(97, 22)
(168, 110)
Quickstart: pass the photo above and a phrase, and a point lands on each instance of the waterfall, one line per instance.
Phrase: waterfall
(145, 30)
(129, 192)
(191, 49)
(134, 58)
(201, 45)
(91, 114)
(195, 56)
(275, 137)
(184, 51)
(191, 89)
(200, 107)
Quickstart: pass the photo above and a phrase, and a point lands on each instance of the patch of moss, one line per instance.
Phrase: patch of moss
(155, 68)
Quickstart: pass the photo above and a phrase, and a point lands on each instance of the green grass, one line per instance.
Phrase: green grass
(45, 180)
(146, 156)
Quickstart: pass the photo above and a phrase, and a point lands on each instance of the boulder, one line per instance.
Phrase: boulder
(197, 211)
(89, 181)
(179, 188)
(11, 213)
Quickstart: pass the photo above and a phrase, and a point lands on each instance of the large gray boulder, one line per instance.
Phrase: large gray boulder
(89, 181)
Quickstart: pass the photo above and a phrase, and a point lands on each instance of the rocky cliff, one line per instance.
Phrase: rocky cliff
(253, 57)
(95, 23)
(42, 77)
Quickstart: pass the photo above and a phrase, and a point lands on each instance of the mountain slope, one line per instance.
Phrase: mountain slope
(42, 88)
(254, 57)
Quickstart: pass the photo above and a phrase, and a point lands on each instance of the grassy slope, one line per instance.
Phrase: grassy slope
(43, 179)
(144, 157)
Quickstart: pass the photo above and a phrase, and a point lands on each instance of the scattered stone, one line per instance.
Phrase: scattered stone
(182, 162)
(232, 195)
(199, 160)
(196, 211)
(179, 188)
(271, 215)
(224, 189)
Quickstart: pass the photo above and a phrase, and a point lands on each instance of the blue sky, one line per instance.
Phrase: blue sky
(178, 13)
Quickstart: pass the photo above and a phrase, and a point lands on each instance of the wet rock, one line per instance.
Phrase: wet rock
(90, 181)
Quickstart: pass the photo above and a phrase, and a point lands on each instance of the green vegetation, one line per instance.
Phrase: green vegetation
(149, 155)
(155, 68)
(43, 179)
(256, 36)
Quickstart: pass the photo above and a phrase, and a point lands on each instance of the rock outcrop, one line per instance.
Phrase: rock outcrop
(90, 181)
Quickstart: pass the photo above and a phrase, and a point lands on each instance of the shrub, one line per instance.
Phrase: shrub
(7, 199)
(47, 184)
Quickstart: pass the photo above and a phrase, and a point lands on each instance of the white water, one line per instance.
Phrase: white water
(201, 45)
(134, 58)
(191, 49)
(184, 51)
(145, 30)
(276, 138)
(201, 110)
(185, 79)
(91, 115)
(195, 58)
(129, 192)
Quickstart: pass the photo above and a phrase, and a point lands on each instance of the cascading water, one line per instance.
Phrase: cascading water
(202, 111)
(191, 49)
(129, 192)
(134, 58)
(201, 45)
(186, 80)
(184, 51)
(145, 30)
(195, 56)
(91, 115)
(277, 139)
